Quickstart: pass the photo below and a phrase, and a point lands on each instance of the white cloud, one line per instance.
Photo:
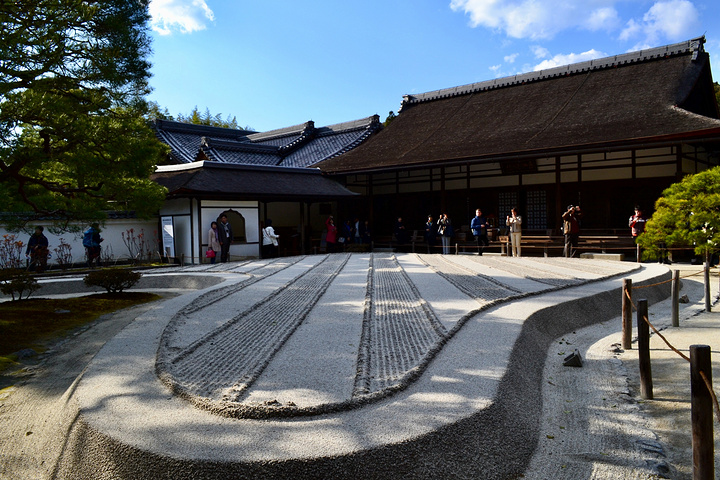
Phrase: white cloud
(540, 52)
(666, 20)
(495, 69)
(511, 58)
(185, 16)
(602, 19)
(567, 59)
(538, 19)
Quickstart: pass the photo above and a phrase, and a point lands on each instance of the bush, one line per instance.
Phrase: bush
(112, 280)
(17, 281)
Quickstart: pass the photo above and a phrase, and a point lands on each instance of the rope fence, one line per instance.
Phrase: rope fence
(708, 384)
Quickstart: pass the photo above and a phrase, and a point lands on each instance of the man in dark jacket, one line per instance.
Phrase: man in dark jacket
(478, 225)
(225, 237)
(37, 249)
(430, 234)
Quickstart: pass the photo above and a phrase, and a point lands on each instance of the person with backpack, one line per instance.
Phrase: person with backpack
(91, 242)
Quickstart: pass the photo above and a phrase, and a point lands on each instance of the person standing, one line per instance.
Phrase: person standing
(401, 236)
(366, 233)
(478, 225)
(445, 230)
(357, 231)
(91, 242)
(225, 237)
(331, 236)
(270, 240)
(571, 229)
(637, 227)
(514, 221)
(213, 242)
(346, 233)
(637, 223)
(430, 234)
(37, 249)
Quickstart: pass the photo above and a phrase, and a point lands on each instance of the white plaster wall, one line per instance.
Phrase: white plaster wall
(112, 233)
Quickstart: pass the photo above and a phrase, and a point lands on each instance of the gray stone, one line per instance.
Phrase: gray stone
(26, 353)
(573, 360)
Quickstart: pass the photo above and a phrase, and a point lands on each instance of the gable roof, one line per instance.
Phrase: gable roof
(213, 180)
(297, 146)
(650, 95)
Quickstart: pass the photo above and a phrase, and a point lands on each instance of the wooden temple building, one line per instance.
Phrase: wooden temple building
(251, 177)
(605, 134)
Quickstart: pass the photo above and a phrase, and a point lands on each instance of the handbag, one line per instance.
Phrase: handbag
(210, 253)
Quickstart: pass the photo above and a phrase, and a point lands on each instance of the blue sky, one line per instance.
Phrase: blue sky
(277, 63)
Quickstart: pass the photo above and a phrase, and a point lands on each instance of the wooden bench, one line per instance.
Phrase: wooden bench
(607, 242)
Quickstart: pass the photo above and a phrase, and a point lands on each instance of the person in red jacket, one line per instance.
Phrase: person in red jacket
(637, 223)
(331, 237)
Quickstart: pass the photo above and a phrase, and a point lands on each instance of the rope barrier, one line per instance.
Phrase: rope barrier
(708, 384)
(667, 281)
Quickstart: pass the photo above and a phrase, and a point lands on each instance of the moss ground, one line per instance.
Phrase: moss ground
(35, 322)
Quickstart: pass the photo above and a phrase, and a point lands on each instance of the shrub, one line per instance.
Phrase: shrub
(112, 280)
(11, 252)
(16, 282)
(63, 255)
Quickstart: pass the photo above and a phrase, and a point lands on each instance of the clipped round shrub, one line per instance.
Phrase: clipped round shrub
(15, 281)
(112, 280)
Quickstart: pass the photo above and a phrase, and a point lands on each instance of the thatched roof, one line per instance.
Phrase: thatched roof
(638, 98)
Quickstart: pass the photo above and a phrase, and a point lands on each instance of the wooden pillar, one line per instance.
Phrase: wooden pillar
(675, 312)
(646, 384)
(627, 314)
(701, 414)
(707, 284)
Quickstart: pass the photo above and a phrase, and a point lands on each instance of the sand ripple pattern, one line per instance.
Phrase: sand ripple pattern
(609, 268)
(221, 366)
(546, 276)
(256, 275)
(480, 287)
(399, 330)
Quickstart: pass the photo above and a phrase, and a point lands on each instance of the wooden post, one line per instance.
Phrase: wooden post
(675, 309)
(627, 314)
(707, 286)
(637, 248)
(701, 414)
(646, 386)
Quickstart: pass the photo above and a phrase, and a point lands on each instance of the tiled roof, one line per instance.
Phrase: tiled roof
(225, 180)
(297, 146)
(636, 98)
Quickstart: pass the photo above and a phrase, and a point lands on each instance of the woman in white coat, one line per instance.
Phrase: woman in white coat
(213, 242)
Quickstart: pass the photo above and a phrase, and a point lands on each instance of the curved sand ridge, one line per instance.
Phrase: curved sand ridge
(400, 332)
(395, 355)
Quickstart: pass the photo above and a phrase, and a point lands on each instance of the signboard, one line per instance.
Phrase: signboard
(168, 236)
